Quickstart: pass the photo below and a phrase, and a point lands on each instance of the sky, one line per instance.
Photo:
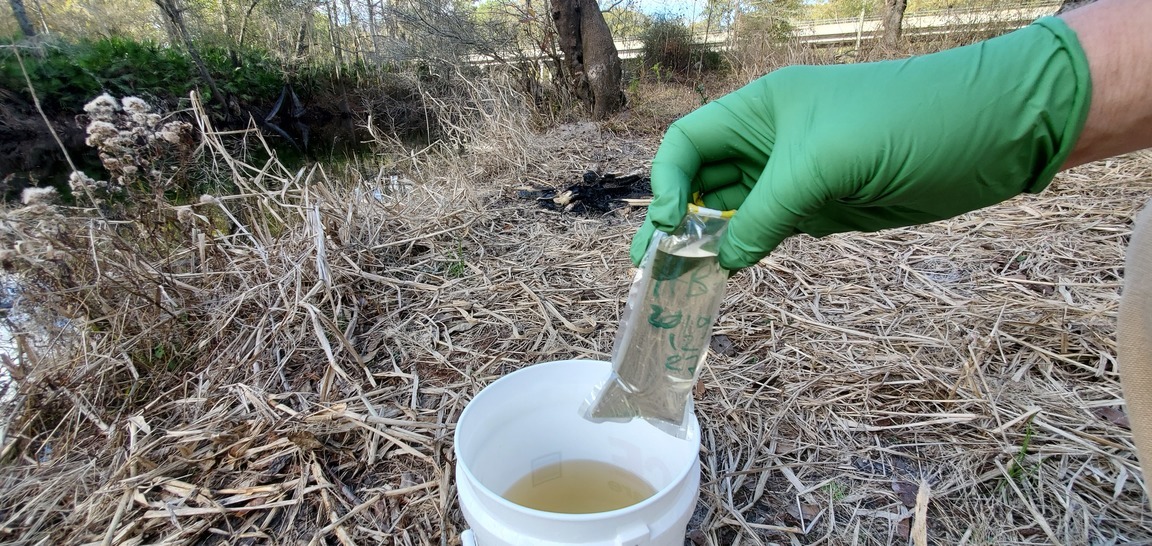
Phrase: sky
(688, 9)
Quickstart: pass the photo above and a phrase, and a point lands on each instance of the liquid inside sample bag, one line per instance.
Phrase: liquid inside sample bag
(667, 325)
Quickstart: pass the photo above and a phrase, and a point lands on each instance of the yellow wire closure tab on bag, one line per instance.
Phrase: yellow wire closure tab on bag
(699, 208)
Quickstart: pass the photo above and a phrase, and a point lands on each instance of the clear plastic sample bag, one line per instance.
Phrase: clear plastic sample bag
(666, 326)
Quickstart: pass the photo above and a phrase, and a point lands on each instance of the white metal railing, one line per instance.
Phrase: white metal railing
(983, 14)
(1022, 5)
(825, 31)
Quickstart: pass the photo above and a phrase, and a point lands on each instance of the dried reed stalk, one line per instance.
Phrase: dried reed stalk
(285, 365)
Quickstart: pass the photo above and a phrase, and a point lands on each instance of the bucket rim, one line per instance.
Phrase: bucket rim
(678, 477)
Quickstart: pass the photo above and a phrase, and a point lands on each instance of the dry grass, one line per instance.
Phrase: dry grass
(294, 377)
(975, 355)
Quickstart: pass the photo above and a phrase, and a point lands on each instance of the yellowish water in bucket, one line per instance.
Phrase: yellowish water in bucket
(579, 487)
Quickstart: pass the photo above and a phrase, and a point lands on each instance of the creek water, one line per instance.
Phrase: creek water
(38, 161)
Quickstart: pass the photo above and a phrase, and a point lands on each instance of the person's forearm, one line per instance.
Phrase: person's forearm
(1116, 40)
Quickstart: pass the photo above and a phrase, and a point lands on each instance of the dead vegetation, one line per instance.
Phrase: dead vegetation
(285, 365)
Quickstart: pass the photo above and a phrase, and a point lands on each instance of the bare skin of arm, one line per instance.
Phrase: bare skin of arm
(1115, 37)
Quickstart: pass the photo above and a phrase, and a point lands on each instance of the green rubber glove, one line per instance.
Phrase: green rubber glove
(828, 149)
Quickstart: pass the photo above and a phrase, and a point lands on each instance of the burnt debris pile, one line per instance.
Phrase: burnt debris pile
(594, 194)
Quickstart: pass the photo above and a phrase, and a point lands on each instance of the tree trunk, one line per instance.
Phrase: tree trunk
(301, 44)
(174, 14)
(229, 34)
(354, 28)
(591, 61)
(333, 35)
(22, 17)
(893, 21)
(244, 23)
(373, 32)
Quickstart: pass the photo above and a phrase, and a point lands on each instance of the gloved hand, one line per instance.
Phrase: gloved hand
(827, 149)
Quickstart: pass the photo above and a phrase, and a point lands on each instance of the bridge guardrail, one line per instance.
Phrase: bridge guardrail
(1026, 5)
(630, 46)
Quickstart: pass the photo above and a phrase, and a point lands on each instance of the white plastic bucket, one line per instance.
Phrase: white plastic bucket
(531, 418)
